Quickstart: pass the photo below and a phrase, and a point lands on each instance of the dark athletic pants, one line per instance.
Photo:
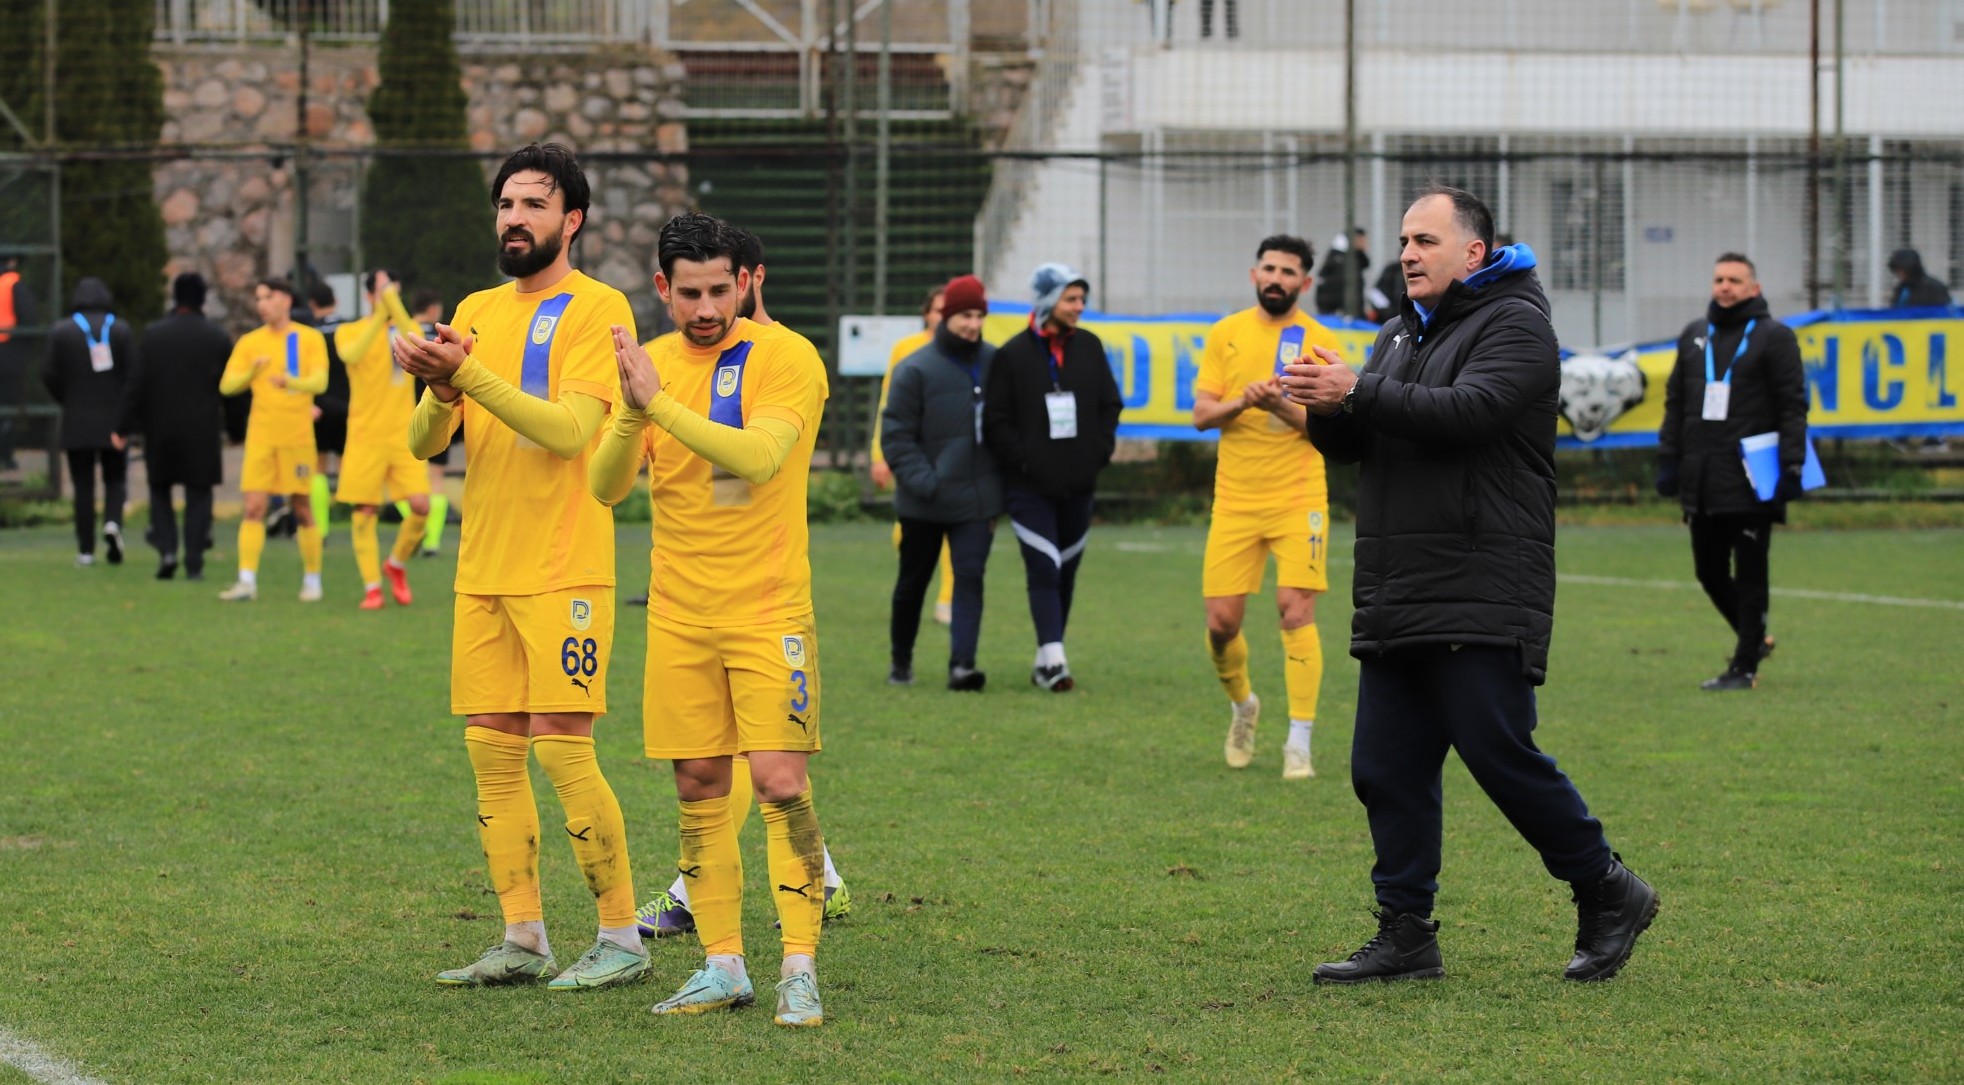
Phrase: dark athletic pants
(197, 524)
(1412, 706)
(920, 552)
(1052, 532)
(1729, 554)
(115, 490)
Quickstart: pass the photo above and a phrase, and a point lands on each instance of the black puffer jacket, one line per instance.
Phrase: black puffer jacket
(1455, 432)
(931, 433)
(1769, 394)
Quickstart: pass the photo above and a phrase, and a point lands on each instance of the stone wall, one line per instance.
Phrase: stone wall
(229, 202)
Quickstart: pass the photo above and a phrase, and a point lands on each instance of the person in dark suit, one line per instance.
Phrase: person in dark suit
(172, 400)
(89, 356)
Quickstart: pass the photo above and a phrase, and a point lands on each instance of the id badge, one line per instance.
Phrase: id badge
(100, 359)
(1718, 399)
(1063, 414)
(978, 422)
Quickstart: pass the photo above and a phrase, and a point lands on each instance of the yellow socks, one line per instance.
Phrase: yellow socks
(743, 794)
(321, 501)
(1231, 666)
(309, 537)
(252, 543)
(713, 868)
(946, 597)
(797, 863)
(439, 515)
(507, 820)
(593, 821)
(1302, 668)
(368, 552)
(409, 537)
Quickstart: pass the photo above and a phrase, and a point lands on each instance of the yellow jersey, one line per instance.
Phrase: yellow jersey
(899, 354)
(1265, 463)
(531, 526)
(381, 397)
(280, 417)
(727, 553)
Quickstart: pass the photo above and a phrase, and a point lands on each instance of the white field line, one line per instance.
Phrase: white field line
(26, 1056)
(1791, 593)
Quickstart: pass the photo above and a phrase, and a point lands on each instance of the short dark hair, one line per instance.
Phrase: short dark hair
(557, 161)
(423, 299)
(1469, 211)
(750, 249)
(1737, 258)
(274, 282)
(695, 236)
(187, 291)
(927, 303)
(321, 294)
(368, 279)
(1295, 246)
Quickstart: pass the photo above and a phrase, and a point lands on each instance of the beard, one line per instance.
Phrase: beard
(708, 338)
(533, 260)
(747, 308)
(1276, 301)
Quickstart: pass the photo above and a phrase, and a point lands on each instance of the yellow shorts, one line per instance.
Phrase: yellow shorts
(277, 469)
(532, 653)
(367, 467)
(717, 692)
(1239, 543)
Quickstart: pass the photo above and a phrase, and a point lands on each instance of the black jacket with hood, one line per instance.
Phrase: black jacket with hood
(1016, 424)
(1769, 395)
(91, 401)
(1919, 290)
(1453, 426)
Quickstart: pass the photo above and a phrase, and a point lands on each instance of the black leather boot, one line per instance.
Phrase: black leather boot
(1609, 914)
(1406, 948)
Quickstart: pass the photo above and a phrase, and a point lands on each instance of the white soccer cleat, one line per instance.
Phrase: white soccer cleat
(241, 592)
(310, 593)
(1241, 733)
(1295, 764)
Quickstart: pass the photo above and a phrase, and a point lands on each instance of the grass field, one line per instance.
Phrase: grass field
(237, 841)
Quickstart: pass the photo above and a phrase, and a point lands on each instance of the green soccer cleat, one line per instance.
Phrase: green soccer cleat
(605, 965)
(709, 988)
(797, 1002)
(838, 902)
(502, 964)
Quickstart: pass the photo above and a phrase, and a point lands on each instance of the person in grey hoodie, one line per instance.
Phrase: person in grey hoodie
(945, 480)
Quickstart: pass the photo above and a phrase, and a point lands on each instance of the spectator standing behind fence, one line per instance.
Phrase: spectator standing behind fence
(89, 358)
(1453, 427)
(946, 489)
(1915, 288)
(1050, 417)
(16, 310)
(1344, 269)
(172, 400)
(1738, 373)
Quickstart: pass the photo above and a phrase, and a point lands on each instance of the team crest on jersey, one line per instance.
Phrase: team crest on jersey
(1315, 521)
(1289, 352)
(794, 652)
(542, 329)
(726, 380)
(582, 614)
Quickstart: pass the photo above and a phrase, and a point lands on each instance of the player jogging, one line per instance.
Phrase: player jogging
(527, 370)
(381, 398)
(666, 914)
(726, 414)
(285, 365)
(1269, 497)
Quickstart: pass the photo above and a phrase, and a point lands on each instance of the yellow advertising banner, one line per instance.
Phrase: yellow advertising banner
(1869, 374)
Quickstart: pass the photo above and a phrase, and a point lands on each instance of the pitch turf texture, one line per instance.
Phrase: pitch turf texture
(236, 842)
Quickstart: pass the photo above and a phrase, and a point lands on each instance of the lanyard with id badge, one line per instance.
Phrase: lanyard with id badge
(1718, 393)
(100, 359)
(1060, 405)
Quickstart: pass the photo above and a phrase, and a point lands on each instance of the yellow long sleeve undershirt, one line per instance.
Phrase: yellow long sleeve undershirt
(753, 453)
(561, 426)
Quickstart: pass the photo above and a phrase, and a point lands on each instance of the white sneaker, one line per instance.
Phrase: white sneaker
(1241, 733)
(944, 613)
(310, 593)
(83, 561)
(241, 592)
(1295, 764)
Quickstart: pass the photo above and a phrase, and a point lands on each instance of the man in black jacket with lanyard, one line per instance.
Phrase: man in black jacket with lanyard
(1453, 425)
(1050, 417)
(89, 358)
(1738, 374)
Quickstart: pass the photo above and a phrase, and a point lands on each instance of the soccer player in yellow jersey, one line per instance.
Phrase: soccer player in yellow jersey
(1269, 497)
(931, 308)
(726, 414)
(285, 365)
(381, 397)
(528, 371)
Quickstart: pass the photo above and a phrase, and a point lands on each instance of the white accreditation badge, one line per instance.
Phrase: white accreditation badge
(100, 359)
(1063, 414)
(1718, 400)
